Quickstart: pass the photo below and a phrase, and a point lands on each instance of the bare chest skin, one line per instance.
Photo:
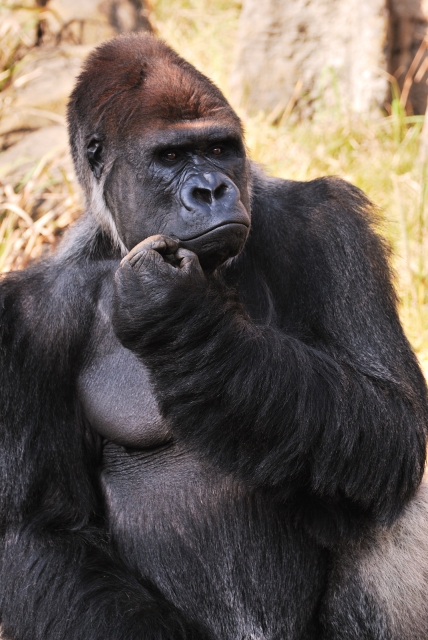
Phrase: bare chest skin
(115, 391)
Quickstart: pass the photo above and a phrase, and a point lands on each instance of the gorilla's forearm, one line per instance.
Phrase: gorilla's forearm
(278, 411)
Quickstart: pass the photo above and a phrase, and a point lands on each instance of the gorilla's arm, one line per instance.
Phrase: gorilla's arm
(328, 399)
(58, 577)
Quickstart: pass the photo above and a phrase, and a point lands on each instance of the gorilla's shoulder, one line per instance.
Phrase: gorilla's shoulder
(53, 296)
(309, 200)
(53, 277)
(83, 260)
(326, 212)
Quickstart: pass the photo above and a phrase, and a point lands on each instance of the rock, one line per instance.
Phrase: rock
(18, 158)
(333, 52)
(50, 143)
(40, 90)
(91, 21)
(309, 50)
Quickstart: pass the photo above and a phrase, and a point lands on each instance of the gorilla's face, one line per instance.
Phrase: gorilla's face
(187, 181)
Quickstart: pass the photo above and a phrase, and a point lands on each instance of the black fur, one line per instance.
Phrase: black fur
(298, 416)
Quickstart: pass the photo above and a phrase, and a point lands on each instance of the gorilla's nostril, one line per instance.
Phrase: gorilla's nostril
(202, 195)
(220, 191)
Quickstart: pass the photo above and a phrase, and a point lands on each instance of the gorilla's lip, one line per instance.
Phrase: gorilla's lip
(218, 226)
(214, 246)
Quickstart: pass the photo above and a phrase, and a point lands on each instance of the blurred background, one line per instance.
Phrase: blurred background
(324, 87)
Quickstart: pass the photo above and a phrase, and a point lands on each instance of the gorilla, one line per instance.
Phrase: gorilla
(212, 425)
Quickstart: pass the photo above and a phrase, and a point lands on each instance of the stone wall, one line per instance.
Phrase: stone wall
(337, 52)
(91, 21)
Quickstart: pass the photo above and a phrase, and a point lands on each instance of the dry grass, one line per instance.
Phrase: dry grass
(379, 155)
(37, 206)
(18, 21)
(35, 211)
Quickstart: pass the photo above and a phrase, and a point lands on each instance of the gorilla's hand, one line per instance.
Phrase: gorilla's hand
(153, 284)
(159, 262)
(156, 267)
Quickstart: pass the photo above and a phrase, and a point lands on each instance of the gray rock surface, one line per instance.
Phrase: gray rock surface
(18, 158)
(91, 21)
(332, 52)
(328, 49)
(40, 90)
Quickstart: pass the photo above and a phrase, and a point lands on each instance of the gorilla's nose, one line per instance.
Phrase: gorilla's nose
(209, 189)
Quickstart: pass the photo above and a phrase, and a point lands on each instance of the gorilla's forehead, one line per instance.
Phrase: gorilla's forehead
(194, 132)
(133, 84)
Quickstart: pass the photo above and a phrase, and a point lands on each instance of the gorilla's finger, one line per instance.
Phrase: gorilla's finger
(189, 261)
(185, 253)
(142, 256)
(159, 243)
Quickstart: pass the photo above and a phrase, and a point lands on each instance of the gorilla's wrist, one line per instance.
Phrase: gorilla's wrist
(185, 316)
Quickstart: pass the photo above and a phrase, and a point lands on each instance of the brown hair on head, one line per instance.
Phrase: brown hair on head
(136, 82)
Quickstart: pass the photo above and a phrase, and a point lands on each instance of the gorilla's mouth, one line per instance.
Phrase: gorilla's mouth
(215, 246)
(212, 230)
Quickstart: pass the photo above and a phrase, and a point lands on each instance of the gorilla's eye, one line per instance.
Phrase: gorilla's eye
(217, 151)
(170, 155)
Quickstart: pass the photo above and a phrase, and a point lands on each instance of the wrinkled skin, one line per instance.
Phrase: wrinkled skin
(196, 193)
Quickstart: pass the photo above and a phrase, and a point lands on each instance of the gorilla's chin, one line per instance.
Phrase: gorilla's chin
(214, 247)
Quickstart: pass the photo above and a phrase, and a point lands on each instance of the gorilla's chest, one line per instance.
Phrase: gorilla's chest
(115, 391)
(221, 552)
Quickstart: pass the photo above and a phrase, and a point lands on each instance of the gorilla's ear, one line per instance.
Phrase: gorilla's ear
(94, 155)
